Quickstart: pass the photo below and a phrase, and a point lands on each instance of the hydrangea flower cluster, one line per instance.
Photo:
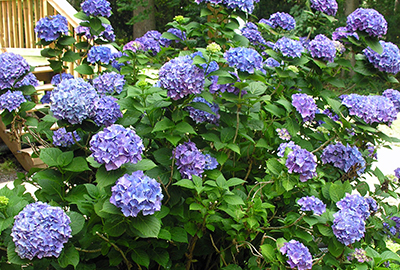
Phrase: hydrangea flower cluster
(115, 146)
(202, 116)
(181, 78)
(56, 79)
(373, 205)
(29, 79)
(360, 255)
(243, 5)
(150, 41)
(100, 54)
(63, 138)
(106, 111)
(283, 134)
(96, 8)
(305, 105)
(181, 35)
(280, 19)
(46, 98)
(13, 67)
(311, 203)
(331, 115)
(137, 192)
(328, 7)
(322, 47)
(397, 173)
(107, 34)
(394, 96)
(368, 20)
(189, 160)
(302, 162)
(388, 61)
(108, 83)
(271, 62)
(393, 230)
(298, 255)
(348, 226)
(211, 163)
(250, 31)
(244, 59)
(11, 100)
(289, 47)
(40, 230)
(133, 45)
(371, 109)
(355, 203)
(282, 148)
(52, 27)
(342, 32)
(73, 100)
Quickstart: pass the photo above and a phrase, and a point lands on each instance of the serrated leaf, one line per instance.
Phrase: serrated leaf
(142, 165)
(235, 181)
(163, 125)
(50, 156)
(69, 256)
(185, 183)
(148, 226)
(141, 257)
(78, 164)
(179, 235)
(65, 158)
(184, 128)
(77, 222)
(84, 69)
(268, 252)
(233, 200)
(13, 257)
(106, 178)
(374, 45)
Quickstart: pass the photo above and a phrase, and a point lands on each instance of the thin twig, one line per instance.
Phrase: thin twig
(217, 250)
(166, 190)
(3, 248)
(127, 262)
(286, 226)
(88, 250)
(259, 183)
(323, 145)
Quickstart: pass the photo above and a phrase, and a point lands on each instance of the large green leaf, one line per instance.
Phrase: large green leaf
(106, 178)
(50, 156)
(77, 222)
(69, 256)
(148, 226)
(141, 257)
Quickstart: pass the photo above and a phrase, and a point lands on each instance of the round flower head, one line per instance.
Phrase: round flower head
(108, 83)
(283, 134)
(52, 27)
(243, 5)
(355, 203)
(106, 35)
(322, 47)
(244, 59)
(282, 148)
(305, 105)
(63, 138)
(106, 111)
(394, 96)
(271, 62)
(189, 160)
(368, 20)
(302, 162)
(12, 68)
(29, 79)
(56, 79)
(73, 100)
(310, 203)
(388, 61)
(115, 146)
(348, 226)
(96, 8)
(133, 45)
(137, 192)
(280, 19)
(11, 100)
(40, 230)
(181, 35)
(289, 47)
(211, 163)
(150, 41)
(397, 173)
(100, 54)
(202, 116)
(181, 78)
(328, 7)
(342, 32)
(298, 255)
(250, 31)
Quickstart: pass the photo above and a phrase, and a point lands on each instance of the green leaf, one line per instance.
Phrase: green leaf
(161, 256)
(227, 134)
(184, 128)
(69, 256)
(268, 252)
(235, 181)
(106, 178)
(374, 44)
(390, 256)
(163, 125)
(164, 234)
(274, 166)
(233, 200)
(71, 56)
(78, 164)
(84, 69)
(336, 192)
(77, 222)
(115, 226)
(13, 257)
(335, 248)
(50, 156)
(205, 12)
(325, 230)
(82, 16)
(65, 158)
(66, 41)
(110, 208)
(141, 257)
(185, 183)
(179, 235)
(148, 226)
(275, 110)
(234, 147)
(170, 36)
(142, 165)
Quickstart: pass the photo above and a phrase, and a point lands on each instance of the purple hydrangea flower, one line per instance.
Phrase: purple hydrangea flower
(280, 19)
(150, 41)
(322, 47)
(106, 111)
(96, 8)
(52, 27)
(331, 115)
(230, 87)
(348, 226)
(181, 78)
(305, 105)
(373, 205)
(283, 134)
(289, 47)
(40, 230)
(63, 138)
(29, 79)
(311, 203)
(137, 192)
(181, 35)
(12, 68)
(73, 100)
(100, 54)
(133, 45)
(271, 62)
(394, 96)
(328, 7)
(282, 148)
(211, 163)
(342, 32)
(250, 31)
(11, 100)
(202, 116)
(397, 173)
(372, 150)
(243, 5)
(302, 162)
(106, 35)
(208, 67)
(115, 63)
(368, 20)
(393, 230)
(388, 61)
(46, 98)
(189, 160)
(298, 254)
(56, 79)
(355, 203)
(244, 59)
(360, 255)
(108, 83)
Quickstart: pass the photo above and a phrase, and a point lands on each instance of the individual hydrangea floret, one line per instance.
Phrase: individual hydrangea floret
(283, 134)
(298, 255)
(388, 61)
(29, 79)
(96, 8)
(63, 138)
(302, 162)
(280, 19)
(12, 68)
(271, 62)
(115, 146)
(289, 47)
(56, 79)
(108, 83)
(73, 100)
(282, 148)
(40, 230)
(311, 203)
(305, 105)
(368, 20)
(342, 32)
(181, 78)
(100, 54)
(137, 192)
(356, 203)
(360, 255)
(394, 96)
(211, 163)
(106, 111)
(250, 31)
(244, 59)
(189, 160)
(322, 47)
(11, 100)
(200, 116)
(397, 173)
(348, 226)
(328, 7)
(106, 35)
(52, 27)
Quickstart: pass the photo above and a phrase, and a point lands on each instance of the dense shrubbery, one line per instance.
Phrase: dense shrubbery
(234, 156)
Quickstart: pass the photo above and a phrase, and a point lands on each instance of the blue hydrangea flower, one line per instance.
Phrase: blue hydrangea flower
(63, 138)
(96, 8)
(355, 203)
(250, 31)
(211, 163)
(73, 100)
(52, 27)
(271, 62)
(280, 19)
(311, 203)
(394, 96)
(56, 79)
(393, 230)
(348, 226)
(200, 116)
(181, 78)
(397, 173)
(244, 59)
(150, 41)
(322, 47)
(100, 54)
(40, 230)
(12, 68)
(282, 148)
(283, 134)
(328, 7)
(302, 162)
(388, 61)
(137, 192)
(189, 160)
(230, 87)
(29, 79)
(331, 115)
(181, 35)
(289, 47)
(134, 46)
(360, 255)
(46, 98)
(298, 255)
(368, 20)
(373, 205)
(115, 63)
(108, 83)
(243, 5)
(106, 111)
(115, 146)
(342, 33)
(305, 105)
(11, 100)
(106, 35)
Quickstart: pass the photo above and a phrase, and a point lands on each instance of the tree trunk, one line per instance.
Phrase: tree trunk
(350, 6)
(140, 28)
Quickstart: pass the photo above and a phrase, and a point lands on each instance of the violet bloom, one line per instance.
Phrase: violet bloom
(210, 163)
(106, 111)
(298, 255)
(388, 61)
(360, 255)
(342, 32)
(96, 8)
(100, 54)
(311, 203)
(356, 203)
(109, 83)
(348, 226)
(106, 35)
(289, 47)
(283, 134)
(272, 63)
(181, 35)
(63, 138)
(394, 96)
(305, 105)
(56, 79)
(189, 160)
(368, 20)
(52, 27)
(200, 116)
(243, 5)
(13, 67)
(280, 19)
(322, 47)
(302, 162)
(328, 7)
(282, 148)
(250, 31)
(397, 173)
(11, 100)
(29, 79)
(244, 59)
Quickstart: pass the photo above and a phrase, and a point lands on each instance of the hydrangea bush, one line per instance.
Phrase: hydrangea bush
(205, 147)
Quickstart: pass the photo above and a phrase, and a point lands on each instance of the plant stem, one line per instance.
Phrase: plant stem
(127, 262)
